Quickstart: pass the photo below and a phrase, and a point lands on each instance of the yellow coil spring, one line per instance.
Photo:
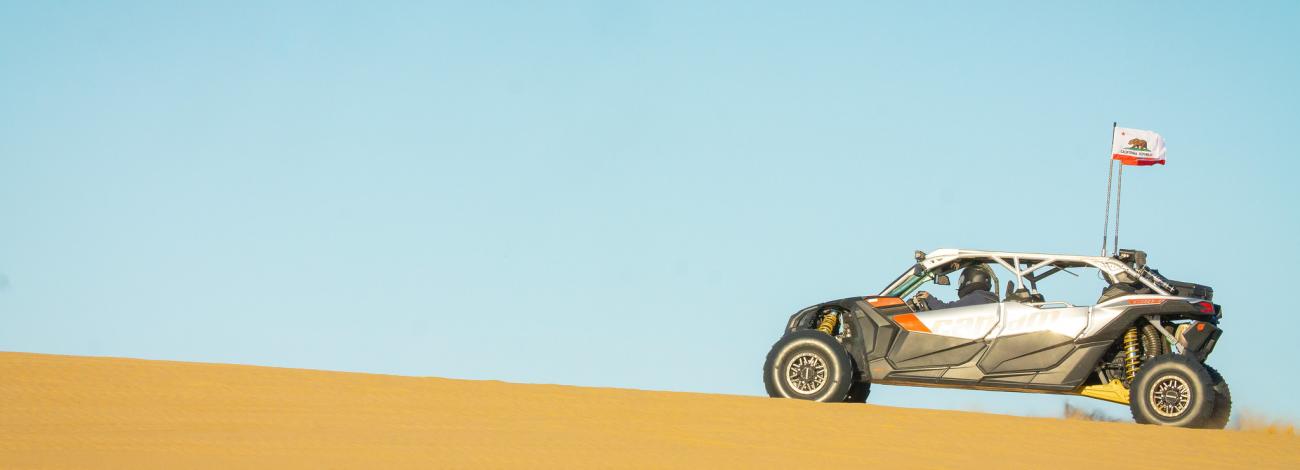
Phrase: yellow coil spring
(828, 323)
(1131, 357)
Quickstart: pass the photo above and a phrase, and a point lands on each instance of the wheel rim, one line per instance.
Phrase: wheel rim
(1170, 396)
(806, 373)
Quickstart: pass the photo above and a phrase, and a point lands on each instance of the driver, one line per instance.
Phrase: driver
(974, 288)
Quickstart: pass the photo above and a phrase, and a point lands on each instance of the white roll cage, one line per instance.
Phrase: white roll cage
(1012, 261)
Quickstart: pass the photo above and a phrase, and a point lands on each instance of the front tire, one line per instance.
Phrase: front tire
(1172, 390)
(808, 365)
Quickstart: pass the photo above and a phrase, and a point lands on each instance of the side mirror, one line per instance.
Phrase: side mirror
(918, 270)
(942, 280)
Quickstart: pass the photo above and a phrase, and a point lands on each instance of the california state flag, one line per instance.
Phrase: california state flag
(1138, 147)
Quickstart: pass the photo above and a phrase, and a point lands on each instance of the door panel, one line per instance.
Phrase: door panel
(945, 337)
(1033, 338)
(1026, 351)
(916, 349)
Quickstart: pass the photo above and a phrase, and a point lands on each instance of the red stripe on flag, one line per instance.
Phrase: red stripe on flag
(1137, 161)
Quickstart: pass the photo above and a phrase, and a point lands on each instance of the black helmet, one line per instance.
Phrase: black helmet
(973, 278)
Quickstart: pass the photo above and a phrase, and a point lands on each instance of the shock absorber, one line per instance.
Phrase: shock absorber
(828, 323)
(1132, 358)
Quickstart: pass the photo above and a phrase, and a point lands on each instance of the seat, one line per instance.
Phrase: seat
(1017, 295)
(1021, 295)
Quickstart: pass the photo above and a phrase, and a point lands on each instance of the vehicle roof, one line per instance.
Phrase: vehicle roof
(944, 255)
(1022, 264)
(1013, 260)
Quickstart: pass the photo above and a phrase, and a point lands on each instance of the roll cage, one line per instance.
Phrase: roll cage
(1024, 266)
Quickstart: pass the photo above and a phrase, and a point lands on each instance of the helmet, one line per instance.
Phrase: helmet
(973, 278)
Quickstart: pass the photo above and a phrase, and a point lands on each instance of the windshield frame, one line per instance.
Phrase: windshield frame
(906, 283)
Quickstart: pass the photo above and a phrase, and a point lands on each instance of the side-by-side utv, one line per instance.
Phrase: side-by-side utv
(1144, 343)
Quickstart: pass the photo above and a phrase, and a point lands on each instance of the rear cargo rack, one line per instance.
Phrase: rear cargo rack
(1154, 279)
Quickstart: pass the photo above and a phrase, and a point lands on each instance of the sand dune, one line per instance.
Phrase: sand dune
(66, 411)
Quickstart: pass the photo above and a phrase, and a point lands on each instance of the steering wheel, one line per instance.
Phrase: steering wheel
(917, 302)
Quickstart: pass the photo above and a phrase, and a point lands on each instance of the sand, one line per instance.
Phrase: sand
(91, 412)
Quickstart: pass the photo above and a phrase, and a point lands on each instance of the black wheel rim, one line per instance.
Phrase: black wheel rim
(1170, 396)
(806, 373)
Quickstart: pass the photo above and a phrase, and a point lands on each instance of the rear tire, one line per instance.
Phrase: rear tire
(1222, 402)
(1172, 390)
(808, 365)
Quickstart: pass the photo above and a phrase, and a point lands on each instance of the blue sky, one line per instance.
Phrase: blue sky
(616, 194)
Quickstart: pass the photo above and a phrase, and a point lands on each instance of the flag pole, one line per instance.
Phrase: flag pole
(1119, 189)
(1109, 173)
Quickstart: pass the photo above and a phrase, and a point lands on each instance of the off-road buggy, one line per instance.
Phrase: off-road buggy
(1143, 344)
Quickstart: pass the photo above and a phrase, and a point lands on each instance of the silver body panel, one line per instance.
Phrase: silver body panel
(990, 321)
(971, 322)
(1020, 318)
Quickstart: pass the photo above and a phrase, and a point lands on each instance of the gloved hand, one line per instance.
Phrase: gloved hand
(918, 301)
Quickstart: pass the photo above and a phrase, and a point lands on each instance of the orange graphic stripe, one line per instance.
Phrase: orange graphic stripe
(884, 301)
(1145, 301)
(909, 322)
